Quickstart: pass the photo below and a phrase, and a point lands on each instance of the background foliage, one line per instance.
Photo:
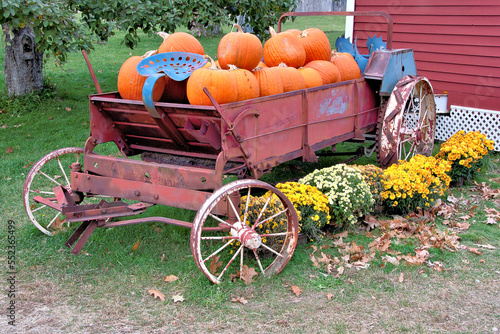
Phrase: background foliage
(63, 26)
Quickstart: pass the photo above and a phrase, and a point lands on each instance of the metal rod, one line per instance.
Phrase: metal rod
(92, 73)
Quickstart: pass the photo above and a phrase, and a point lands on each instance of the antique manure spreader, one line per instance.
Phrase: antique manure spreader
(179, 154)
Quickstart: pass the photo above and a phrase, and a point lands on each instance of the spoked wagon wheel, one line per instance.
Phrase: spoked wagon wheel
(408, 125)
(49, 172)
(261, 236)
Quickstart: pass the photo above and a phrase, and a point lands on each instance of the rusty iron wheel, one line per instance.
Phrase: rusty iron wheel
(50, 171)
(243, 240)
(409, 122)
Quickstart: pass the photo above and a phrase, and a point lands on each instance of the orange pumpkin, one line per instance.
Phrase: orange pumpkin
(285, 48)
(261, 64)
(175, 91)
(180, 42)
(348, 67)
(296, 32)
(246, 83)
(316, 45)
(241, 49)
(220, 84)
(269, 82)
(329, 72)
(130, 82)
(290, 77)
(312, 78)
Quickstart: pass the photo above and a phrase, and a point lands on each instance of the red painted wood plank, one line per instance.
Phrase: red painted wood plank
(473, 101)
(447, 39)
(435, 19)
(432, 29)
(488, 10)
(383, 3)
(465, 69)
(442, 58)
(468, 84)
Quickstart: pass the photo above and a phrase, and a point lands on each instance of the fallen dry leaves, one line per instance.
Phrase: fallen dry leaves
(170, 278)
(417, 226)
(215, 264)
(296, 290)
(178, 298)
(247, 274)
(157, 294)
(240, 300)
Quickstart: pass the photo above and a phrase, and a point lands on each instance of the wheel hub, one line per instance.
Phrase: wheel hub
(247, 236)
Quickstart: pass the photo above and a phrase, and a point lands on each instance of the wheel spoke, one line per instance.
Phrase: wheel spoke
(275, 234)
(218, 251)
(271, 250)
(227, 237)
(62, 170)
(53, 220)
(220, 220)
(40, 207)
(267, 219)
(48, 177)
(241, 260)
(246, 207)
(229, 263)
(258, 261)
(42, 192)
(412, 148)
(261, 212)
(236, 213)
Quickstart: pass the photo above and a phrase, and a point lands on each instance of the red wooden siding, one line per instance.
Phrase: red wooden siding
(456, 44)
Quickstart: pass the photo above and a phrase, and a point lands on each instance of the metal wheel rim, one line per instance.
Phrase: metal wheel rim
(409, 122)
(30, 206)
(289, 243)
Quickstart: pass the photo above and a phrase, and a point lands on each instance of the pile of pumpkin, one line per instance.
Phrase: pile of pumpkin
(293, 60)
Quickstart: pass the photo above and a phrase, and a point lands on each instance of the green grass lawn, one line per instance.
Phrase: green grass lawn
(105, 290)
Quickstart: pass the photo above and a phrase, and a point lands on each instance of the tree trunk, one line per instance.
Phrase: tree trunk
(23, 65)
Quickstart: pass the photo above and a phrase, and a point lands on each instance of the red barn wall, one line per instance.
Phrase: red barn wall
(456, 44)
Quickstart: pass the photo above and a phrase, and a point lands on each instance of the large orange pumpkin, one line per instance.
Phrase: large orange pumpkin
(348, 67)
(246, 83)
(130, 82)
(175, 91)
(180, 42)
(290, 77)
(241, 49)
(220, 83)
(296, 32)
(312, 78)
(285, 48)
(316, 45)
(329, 72)
(269, 82)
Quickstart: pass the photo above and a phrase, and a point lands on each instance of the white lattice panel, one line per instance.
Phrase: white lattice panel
(469, 119)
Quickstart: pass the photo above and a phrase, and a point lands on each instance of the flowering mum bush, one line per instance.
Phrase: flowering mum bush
(373, 176)
(415, 184)
(348, 194)
(465, 151)
(311, 205)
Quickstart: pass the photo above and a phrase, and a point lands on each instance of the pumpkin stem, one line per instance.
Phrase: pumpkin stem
(334, 53)
(282, 65)
(237, 26)
(232, 67)
(213, 66)
(150, 53)
(163, 34)
(304, 33)
(272, 31)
